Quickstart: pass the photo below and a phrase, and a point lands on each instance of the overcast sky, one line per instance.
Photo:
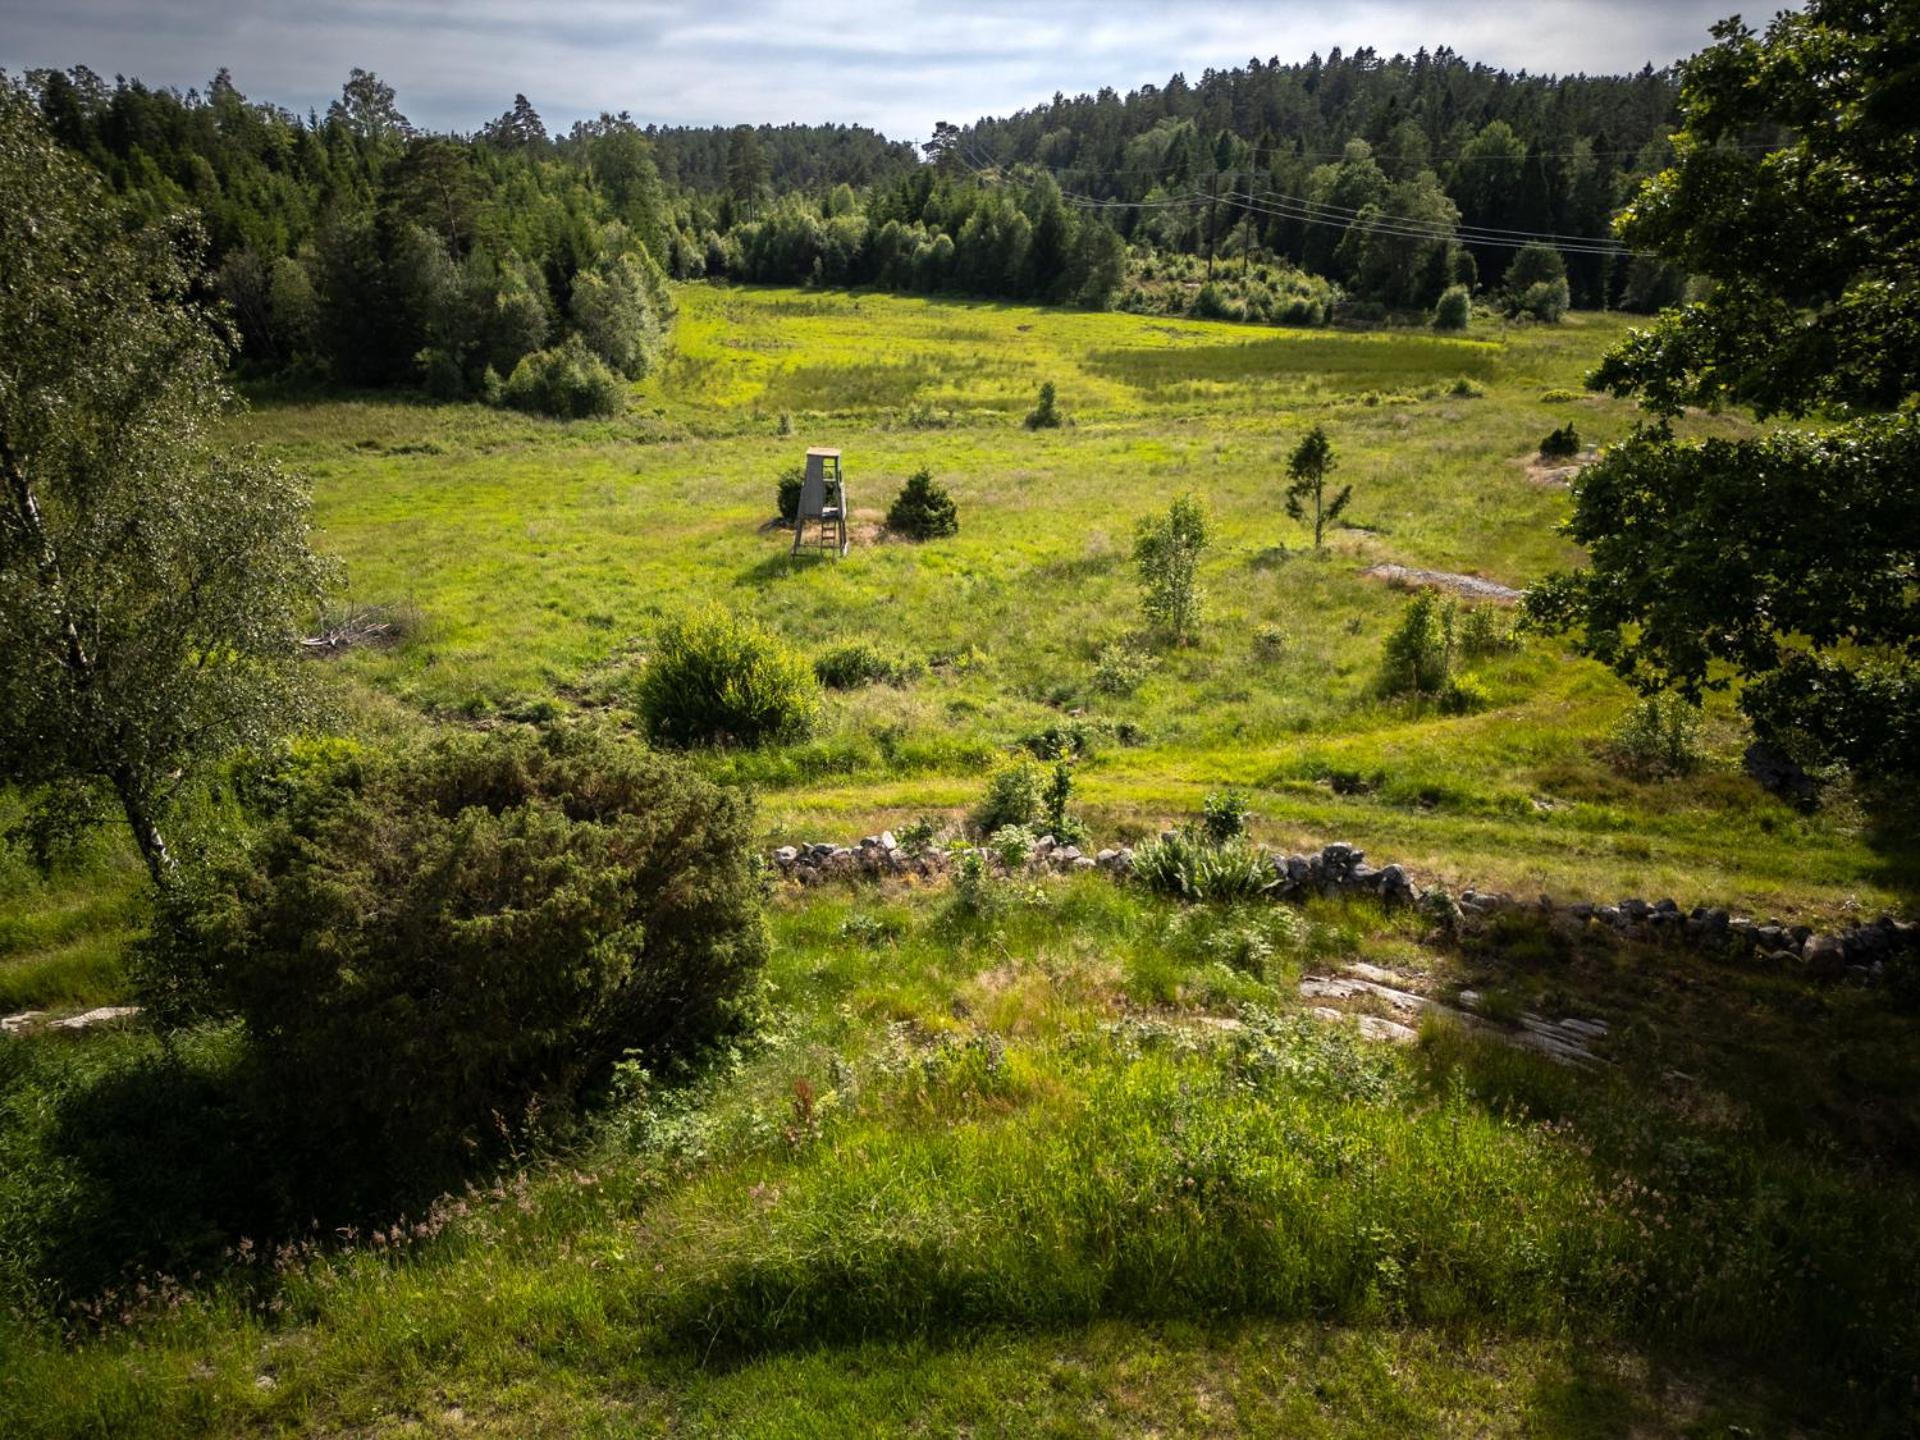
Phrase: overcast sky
(898, 65)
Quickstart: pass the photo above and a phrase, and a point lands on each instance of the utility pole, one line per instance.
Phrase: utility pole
(1213, 207)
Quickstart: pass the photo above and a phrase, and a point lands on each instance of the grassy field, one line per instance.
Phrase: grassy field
(537, 556)
(1077, 1164)
(1058, 1168)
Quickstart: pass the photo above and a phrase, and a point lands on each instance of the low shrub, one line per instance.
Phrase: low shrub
(715, 679)
(923, 510)
(1271, 642)
(1658, 737)
(1055, 796)
(1012, 845)
(1013, 798)
(1080, 736)
(787, 492)
(1188, 866)
(1045, 414)
(974, 893)
(1122, 668)
(429, 951)
(849, 667)
(1463, 694)
(1485, 630)
(1417, 658)
(1545, 301)
(917, 837)
(1454, 310)
(1561, 443)
(568, 383)
(1224, 814)
(1465, 389)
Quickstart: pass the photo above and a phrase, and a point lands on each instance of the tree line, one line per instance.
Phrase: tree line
(355, 247)
(1287, 155)
(351, 244)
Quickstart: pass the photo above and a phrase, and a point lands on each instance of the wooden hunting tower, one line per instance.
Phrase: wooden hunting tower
(823, 504)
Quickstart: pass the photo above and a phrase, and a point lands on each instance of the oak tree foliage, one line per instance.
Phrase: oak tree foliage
(1785, 562)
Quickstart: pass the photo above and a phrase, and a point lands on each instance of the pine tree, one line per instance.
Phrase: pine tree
(1312, 461)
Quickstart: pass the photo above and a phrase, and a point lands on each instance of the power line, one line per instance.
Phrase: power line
(1346, 217)
(1350, 212)
(1416, 230)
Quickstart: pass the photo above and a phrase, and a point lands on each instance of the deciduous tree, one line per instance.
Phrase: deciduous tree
(151, 577)
(1784, 562)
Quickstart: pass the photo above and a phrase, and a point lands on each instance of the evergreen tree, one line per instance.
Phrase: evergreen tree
(1309, 465)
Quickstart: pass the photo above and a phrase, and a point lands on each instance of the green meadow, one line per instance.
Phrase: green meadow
(1073, 1161)
(535, 557)
(1076, 1164)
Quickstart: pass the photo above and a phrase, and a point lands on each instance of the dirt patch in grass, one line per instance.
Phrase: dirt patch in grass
(1473, 587)
(864, 528)
(1557, 472)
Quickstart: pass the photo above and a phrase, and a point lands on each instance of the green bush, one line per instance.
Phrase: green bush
(715, 679)
(1224, 814)
(1545, 301)
(440, 375)
(1014, 794)
(1271, 642)
(1659, 736)
(1485, 630)
(849, 667)
(429, 951)
(787, 492)
(1417, 658)
(1045, 414)
(923, 510)
(1055, 796)
(1166, 553)
(1122, 669)
(1012, 844)
(1463, 694)
(1454, 310)
(918, 836)
(570, 383)
(1560, 443)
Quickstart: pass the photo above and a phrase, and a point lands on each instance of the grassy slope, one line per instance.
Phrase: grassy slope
(1037, 1187)
(986, 1224)
(537, 555)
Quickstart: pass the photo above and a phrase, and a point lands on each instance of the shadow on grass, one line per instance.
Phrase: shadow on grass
(782, 564)
(1893, 834)
(160, 1163)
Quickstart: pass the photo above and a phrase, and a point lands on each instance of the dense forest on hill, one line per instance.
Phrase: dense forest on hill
(1447, 142)
(798, 157)
(528, 267)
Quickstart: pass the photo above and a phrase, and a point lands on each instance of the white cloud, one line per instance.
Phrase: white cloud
(898, 67)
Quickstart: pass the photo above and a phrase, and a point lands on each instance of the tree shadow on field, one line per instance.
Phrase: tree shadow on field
(180, 1158)
(781, 565)
(1893, 834)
